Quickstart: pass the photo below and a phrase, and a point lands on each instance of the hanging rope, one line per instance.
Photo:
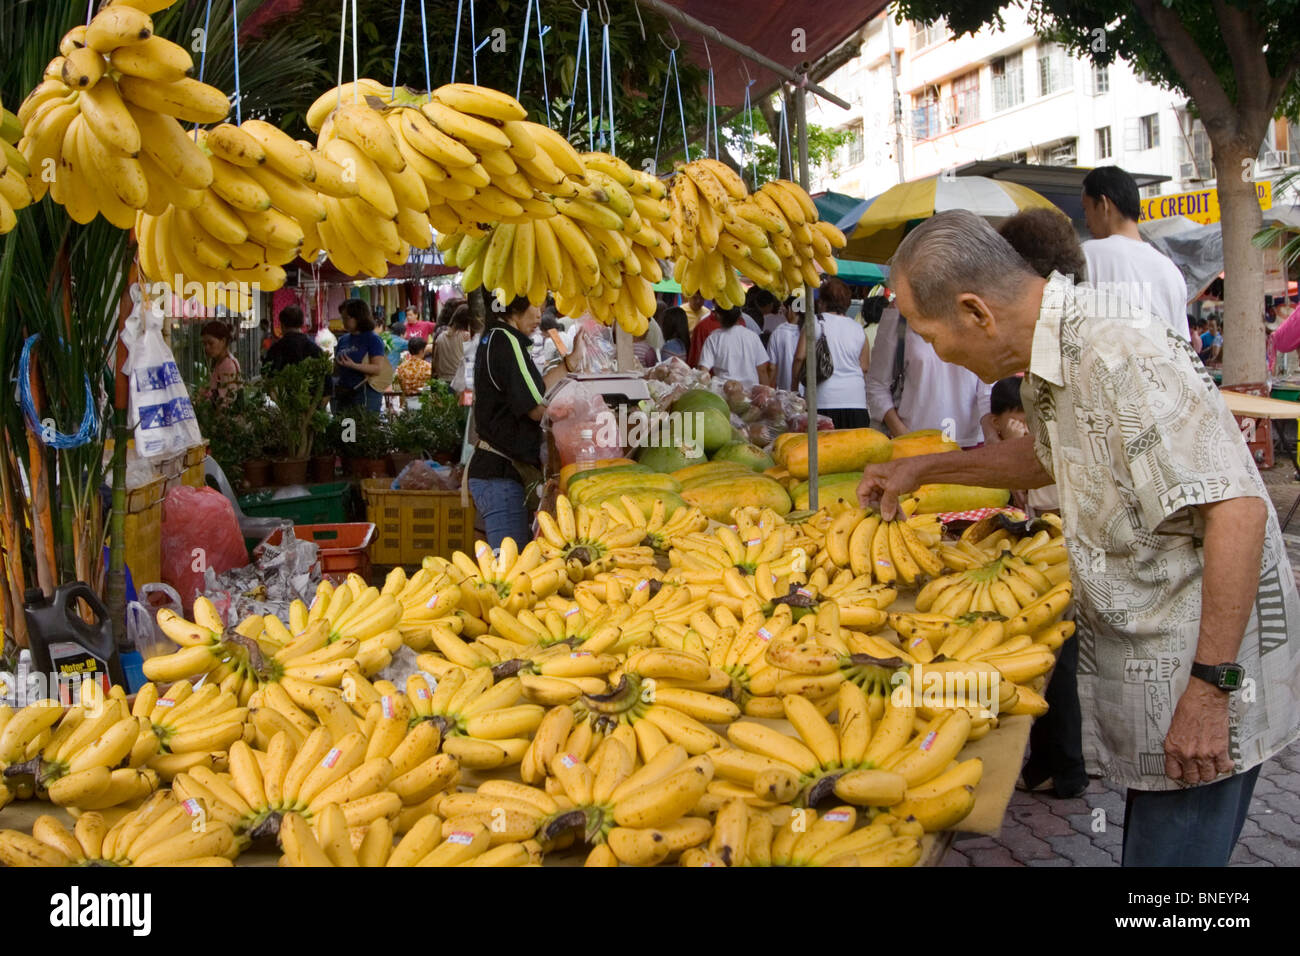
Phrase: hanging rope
(473, 41)
(523, 48)
(90, 11)
(541, 53)
(584, 44)
(608, 70)
(455, 43)
(239, 96)
(343, 37)
(751, 149)
(672, 73)
(424, 35)
(203, 56)
(89, 422)
(397, 50)
(356, 93)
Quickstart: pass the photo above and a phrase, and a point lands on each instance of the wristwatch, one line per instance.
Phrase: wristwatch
(1226, 677)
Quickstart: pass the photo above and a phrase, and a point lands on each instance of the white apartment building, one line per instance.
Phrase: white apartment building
(1006, 95)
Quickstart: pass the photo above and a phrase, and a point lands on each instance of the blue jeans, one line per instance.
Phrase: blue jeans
(501, 503)
(1197, 826)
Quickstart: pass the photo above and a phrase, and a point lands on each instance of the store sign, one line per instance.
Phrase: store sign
(1201, 206)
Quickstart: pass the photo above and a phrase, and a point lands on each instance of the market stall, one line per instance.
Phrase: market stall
(696, 660)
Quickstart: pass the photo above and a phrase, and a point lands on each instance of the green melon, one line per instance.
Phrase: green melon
(667, 458)
(746, 454)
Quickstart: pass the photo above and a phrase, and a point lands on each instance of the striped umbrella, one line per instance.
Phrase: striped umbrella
(889, 216)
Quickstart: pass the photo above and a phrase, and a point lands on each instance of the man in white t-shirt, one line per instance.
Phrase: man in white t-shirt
(1119, 261)
(736, 352)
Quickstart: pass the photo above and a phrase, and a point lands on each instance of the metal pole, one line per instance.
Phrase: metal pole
(809, 320)
(898, 102)
(672, 13)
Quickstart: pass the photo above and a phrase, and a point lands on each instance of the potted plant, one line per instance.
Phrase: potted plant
(298, 391)
(324, 457)
(238, 427)
(363, 440)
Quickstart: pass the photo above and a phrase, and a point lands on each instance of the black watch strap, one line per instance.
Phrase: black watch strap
(1226, 677)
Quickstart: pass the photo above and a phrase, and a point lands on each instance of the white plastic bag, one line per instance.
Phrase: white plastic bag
(160, 404)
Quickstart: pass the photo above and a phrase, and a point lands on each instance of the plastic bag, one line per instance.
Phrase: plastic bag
(762, 433)
(159, 402)
(598, 353)
(417, 476)
(576, 408)
(799, 423)
(142, 619)
(199, 532)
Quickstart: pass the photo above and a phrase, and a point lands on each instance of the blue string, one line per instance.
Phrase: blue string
(455, 43)
(203, 57)
(663, 107)
(541, 52)
(677, 78)
(523, 48)
(424, 35)
(397, 50)
(89, 422)
(609, 77)
(473, 39)
(577, 69)
(749, 121)
(708, 113)
(713, 106)
(591, 132)
(239, 97)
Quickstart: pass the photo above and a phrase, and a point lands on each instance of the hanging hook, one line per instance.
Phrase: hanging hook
(675, 47)
(581, 6)
(637, 8)
(707, 56)
(602, 11)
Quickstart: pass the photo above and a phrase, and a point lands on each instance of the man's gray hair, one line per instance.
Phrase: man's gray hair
(955, 252)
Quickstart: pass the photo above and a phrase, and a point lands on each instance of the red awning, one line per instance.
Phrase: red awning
(768, 26)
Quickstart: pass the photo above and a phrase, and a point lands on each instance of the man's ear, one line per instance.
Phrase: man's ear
(975, 310)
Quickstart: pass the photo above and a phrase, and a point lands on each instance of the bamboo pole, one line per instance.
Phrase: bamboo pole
(809, 321)
(15, 579)
(115, 597)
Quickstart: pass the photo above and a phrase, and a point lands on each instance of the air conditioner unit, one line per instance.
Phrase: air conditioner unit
(1189, 171)
(1271, 159)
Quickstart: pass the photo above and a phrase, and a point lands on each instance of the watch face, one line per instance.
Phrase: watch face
(1230, 677)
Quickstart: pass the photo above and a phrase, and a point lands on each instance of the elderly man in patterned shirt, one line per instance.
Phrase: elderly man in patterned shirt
(1187, 610)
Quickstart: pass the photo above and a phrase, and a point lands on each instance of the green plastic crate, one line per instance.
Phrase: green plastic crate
(323, 504)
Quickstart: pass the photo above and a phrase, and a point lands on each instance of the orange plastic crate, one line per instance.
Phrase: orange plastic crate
(411, 525)
(344, 548)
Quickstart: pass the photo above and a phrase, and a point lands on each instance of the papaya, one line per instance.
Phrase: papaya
(942, 499)
(929, 441)
(669, 458)
(691, 472)
(781, 446)
(839, 450)
(580, 477)
(645, 500)
(717, 498)
(601, 486)
(735, 473)
(576, 468)
(829, 487)
(751, 456)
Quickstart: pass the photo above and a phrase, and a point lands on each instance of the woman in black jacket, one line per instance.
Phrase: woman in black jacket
(509, 401)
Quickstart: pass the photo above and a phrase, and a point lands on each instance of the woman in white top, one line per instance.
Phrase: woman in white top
(843, 397)
(935, 395)
(736, 352)
(781, 347)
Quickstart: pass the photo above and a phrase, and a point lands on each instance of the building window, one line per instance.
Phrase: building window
(1149, 192)
(1103, 143)
(924, 35)
(965, 105)
(1149, 131)
(925, 114)
(1194, 154)
(1008, 82)
(1100, 79)
(851, 152)
(1055, 70)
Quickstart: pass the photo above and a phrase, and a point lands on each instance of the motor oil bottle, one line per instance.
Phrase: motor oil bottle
(65, 649)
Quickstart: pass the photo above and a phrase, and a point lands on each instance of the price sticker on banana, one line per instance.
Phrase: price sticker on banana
(460, 837)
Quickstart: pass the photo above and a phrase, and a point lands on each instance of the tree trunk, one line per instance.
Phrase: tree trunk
(1243, 265)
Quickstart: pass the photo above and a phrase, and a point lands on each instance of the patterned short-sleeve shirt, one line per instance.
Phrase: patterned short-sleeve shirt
(1136, 434)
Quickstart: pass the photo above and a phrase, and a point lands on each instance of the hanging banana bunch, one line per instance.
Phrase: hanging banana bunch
(102, 133)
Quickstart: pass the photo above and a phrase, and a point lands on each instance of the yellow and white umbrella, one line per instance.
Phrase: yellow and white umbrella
(889, 216)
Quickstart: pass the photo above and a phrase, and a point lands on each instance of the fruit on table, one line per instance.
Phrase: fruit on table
(841, 450)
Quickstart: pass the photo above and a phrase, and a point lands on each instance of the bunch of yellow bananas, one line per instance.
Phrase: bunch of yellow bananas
(806, 246)
(163, 831)
(15, 194)
(482, 723)
(661, 531)
(707, 203)
(513, 579)
(739, 649)
(589, 541)
(885, 551)
(332, 844)
(260, 210)
(604, 802)
(1006, 585)
(746, 835)
(24, 733)
(102, 134)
